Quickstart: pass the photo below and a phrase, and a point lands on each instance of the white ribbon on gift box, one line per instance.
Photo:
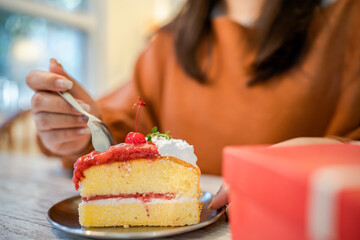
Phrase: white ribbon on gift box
(324, 187)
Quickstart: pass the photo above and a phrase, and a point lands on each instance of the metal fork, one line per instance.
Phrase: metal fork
(101, 136)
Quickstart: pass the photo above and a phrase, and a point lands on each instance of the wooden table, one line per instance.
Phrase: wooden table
(31, 184)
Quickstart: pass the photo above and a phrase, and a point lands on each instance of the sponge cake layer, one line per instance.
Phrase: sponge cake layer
(161, 175)
(113, 212)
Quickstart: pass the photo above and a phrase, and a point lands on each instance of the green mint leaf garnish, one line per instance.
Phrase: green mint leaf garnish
(154, 129)
(148, 137)
(156, 133)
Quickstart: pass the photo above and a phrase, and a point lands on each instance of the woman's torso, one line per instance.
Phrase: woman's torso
(309, 100)
(320, 96)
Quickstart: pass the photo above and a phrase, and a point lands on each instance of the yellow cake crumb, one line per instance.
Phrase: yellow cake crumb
(161, 175)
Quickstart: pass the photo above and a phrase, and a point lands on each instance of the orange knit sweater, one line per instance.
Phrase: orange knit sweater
(318, 97)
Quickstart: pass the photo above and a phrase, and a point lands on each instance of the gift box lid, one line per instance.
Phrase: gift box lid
(288, 179)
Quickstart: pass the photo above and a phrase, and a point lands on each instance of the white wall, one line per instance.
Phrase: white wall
(125, 27)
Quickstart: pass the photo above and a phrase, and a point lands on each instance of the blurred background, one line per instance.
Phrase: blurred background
(96, 41)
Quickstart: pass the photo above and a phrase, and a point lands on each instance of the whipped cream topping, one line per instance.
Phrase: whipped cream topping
(176, 148)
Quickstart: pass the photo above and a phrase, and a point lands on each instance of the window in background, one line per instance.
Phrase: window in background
(66, 5)
(27, 42)
(97, 41)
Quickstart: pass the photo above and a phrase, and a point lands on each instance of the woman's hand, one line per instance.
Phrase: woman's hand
(311, 140)
(61, 128)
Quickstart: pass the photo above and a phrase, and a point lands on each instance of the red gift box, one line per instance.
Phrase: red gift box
(296, 192)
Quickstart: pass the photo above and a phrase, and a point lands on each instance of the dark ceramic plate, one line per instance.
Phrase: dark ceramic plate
(64, 216)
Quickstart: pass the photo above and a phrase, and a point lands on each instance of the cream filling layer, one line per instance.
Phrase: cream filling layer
(117, 201)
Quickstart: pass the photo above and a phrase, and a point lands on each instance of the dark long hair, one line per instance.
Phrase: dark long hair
(282, 33)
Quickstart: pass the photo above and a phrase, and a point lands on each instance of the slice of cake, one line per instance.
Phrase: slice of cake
(139, 183)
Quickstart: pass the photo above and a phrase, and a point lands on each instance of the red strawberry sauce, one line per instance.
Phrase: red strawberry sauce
(118, 153)
(144, 197)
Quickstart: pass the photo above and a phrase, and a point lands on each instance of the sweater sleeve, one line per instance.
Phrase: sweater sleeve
(347, 120)
(351, 84)
(147, 82)
(352, 71)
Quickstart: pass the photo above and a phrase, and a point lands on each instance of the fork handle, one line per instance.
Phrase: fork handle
(71, 100)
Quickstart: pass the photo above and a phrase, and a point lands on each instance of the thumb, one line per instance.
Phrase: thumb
(77, 91)
(56, 67)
